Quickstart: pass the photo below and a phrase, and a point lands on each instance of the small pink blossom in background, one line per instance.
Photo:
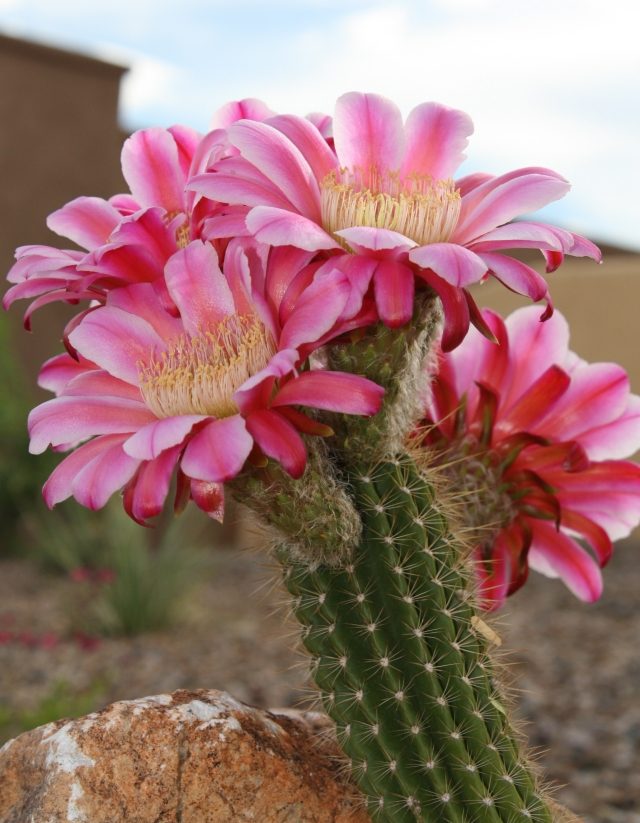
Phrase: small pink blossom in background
(200, 393)
(377, 201)
(534, 436)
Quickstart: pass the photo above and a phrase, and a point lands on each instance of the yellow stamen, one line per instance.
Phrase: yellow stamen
(183, 232)
(421, 208)
(199, 375)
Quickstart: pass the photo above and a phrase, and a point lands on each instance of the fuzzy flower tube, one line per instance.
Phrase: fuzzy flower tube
(280, 310)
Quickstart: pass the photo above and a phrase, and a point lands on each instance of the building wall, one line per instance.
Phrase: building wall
(59, 138)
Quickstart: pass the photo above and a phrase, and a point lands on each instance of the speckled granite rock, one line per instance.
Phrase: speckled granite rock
(188, 757)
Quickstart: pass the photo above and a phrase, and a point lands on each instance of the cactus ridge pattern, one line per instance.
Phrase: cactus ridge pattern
(403, 671)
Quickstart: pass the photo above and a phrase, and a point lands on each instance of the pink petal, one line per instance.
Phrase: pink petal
(149, 228)
(209, 497)
(478, 359)
(309, 141)
(108, 472)
(454, 307)
(281, 161)
(534, 346)
(59, 485)
(198, 287)
(619, 438)
(332, 391)
(88, 221)
(218, 452)
(278, 227)
(151, 167)
(316, 311)
(248, 189)
(151, 440)
(99, 383)
(368, 132)
(278, 439)
(522, 234)
(58, 371)
(227, 224)
(323, 122)
(146, 495)
(284, 265)
(471, 181)
(359, 271)
(394, 287)
(70, 419)
(598, 394)
(436, 139)
(502, 198)
(556, 555)
(248, 109)
(187, 141)
(256, 391)
(455, 264)
(117, 341)
(142, 300)
(363, 239)
(516, 275)
(534, 404)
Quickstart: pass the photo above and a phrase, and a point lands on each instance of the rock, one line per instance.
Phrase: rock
(186, 757)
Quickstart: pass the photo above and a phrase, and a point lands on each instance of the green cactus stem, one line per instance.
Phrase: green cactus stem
(403, 670)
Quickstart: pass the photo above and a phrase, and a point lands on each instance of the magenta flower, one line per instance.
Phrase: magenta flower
(378, 201)
(128, 238)
(532, 436)
(200, 393)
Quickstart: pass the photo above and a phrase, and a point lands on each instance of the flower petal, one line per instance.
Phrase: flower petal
(70, 419)
(117, 341)
(306, 137)
(88, 221)
(436, 139)
(280, 161)
(151, 440)
(516, 275)
(368, 132)
(151, 167)
(278, 439)
(500, 199)
(455, 264)
(147, 492)
(394, 289)
(218, 451)
(556, 555)
(209, 497)
(250, 108)
(332, 391)
(101, 477)
(278, 227)
(198, 287)
(363, 239)
(59, 484)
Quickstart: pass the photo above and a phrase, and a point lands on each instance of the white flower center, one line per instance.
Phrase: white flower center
(199, 375)
(421, 208)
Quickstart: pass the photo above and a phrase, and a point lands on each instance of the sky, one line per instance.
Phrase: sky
(551, 83)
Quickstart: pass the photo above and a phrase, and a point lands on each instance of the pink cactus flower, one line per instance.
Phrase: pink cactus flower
(200, 393)
(377, 200)
(128, 238)
(533, 436)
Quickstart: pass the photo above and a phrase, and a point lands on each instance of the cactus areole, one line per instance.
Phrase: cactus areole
(280, 310)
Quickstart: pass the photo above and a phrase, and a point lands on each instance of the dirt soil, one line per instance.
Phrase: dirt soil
(577, 667)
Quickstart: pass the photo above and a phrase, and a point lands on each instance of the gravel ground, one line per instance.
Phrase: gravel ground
(576, 667)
